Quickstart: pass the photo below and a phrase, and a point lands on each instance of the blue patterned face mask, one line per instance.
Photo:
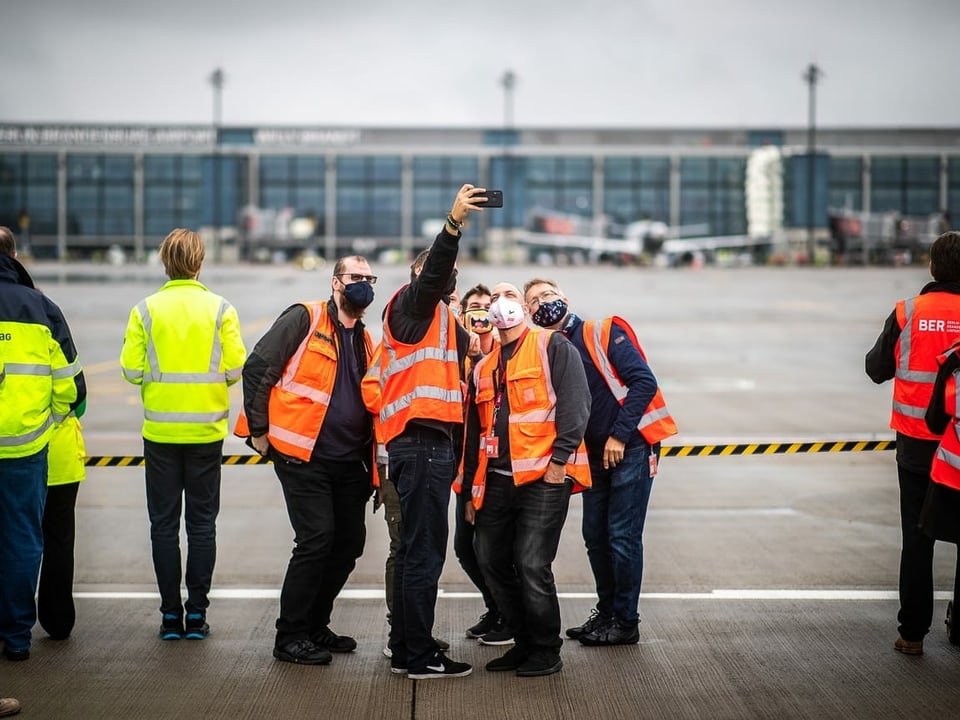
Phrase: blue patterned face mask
(550, 313)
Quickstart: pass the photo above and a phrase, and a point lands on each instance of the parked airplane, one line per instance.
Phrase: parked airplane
(552, 235)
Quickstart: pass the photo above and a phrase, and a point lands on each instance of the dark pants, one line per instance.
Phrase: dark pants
(179, 475)
(517, 536)
(391, 513)
(422, 467)
(916, 558)
(55, 608)
(463, 546)
(614, 511)
(23, 491)
(325, 502)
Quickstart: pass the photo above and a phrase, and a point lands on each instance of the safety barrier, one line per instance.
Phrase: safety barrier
(764, 448)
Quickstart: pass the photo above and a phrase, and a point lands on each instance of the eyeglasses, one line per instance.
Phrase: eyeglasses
(357, 277)
(545, 296)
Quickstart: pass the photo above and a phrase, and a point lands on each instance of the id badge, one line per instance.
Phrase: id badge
(653, 465)
(492, 445)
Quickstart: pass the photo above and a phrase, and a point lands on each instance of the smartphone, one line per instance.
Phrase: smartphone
(494, 199)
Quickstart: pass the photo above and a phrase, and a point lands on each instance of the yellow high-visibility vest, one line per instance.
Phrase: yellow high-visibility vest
(183, 347)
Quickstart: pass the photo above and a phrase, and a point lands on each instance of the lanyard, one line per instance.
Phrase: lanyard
(499, 386)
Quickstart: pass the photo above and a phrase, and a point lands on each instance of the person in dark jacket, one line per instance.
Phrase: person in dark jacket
(421, 418)
(41, 382)
(623, 461)
(914, 334)
(309, 365)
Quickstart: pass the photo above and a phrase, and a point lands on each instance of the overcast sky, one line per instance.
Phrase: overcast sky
(608, 63)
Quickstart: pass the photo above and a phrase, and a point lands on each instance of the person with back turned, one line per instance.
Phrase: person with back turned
(183, 348)
(918, 330)
(41, 383)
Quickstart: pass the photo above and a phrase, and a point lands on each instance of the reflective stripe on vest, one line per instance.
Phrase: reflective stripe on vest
(15, 440)
(420, 380)
(656, 423)
(946, 461)
(212, 377)
(928, 323)
(297, 409)
(530, 452)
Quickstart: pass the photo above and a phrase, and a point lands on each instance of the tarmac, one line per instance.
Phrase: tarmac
(770, 582)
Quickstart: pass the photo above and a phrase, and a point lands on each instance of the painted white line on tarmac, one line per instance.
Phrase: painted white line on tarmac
(373, 594)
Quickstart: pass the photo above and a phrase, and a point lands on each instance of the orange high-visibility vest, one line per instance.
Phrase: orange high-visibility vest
(420, 380)
(656, 422)
(298, 402)
(946, 461)
(928, 324)
(532, 426)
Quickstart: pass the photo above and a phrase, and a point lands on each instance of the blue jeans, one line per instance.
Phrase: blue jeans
(23, 492)
(173, 473)
(422, 466)
(517, 536)
(614, 511)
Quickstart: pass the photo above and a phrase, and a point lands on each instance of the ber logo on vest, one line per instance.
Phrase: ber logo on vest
(932, 325)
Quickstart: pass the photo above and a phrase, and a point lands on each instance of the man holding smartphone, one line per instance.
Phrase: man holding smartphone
(422, 412)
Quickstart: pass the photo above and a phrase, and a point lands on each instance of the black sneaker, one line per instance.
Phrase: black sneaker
(499, 634)
(195, 627)
(613, 633)
(440, 666)
(540, 662)
(302, 652)
(18, 655)
(328, 639)
(171, 627)
(488, 621)
(593, 622)
(510, 660)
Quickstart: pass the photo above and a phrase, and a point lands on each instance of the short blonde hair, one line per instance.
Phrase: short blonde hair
(182, 253)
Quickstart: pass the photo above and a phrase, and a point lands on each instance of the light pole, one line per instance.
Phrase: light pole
(216, 81)
(508, 81)
(812, 75)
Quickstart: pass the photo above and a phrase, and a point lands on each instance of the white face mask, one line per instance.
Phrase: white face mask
(505, 313)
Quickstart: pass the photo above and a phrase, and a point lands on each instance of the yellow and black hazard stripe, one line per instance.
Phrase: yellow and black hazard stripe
(772, 448)
(766, 448)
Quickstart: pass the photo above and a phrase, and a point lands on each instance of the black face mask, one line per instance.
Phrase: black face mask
(360, 294)
(550, 313)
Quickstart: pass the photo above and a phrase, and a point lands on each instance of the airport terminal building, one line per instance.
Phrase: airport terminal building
(73, 189)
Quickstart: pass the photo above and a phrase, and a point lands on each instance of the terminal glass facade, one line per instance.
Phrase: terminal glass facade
(369, 196)
(635, 188)
(953, 190)
(171, 193)
(910, 185)
(28, 183)
(436, 179)
(100, 195)
(712, 194)
(845, 183)
(297, 182)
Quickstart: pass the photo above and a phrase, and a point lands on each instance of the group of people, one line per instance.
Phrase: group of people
(919, 349)
(505, 398)
(462, 396)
